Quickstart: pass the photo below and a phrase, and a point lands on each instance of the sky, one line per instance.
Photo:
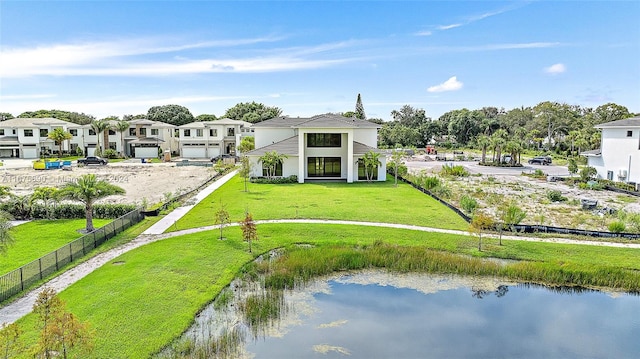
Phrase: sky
(108, 58)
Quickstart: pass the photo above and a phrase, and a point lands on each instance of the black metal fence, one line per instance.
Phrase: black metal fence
(22, 278)
(525, 228)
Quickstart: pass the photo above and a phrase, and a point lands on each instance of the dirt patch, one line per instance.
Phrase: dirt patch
(493, 190)
(142, 182)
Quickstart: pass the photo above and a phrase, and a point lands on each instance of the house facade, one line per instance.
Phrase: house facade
(208, 139)
(618, 158)
(323, 147)
(28, 137)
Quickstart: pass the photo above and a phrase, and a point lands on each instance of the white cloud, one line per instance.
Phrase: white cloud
(423, 33)
(555, 69)
(132, 58)
(447, 27)
(451, 84)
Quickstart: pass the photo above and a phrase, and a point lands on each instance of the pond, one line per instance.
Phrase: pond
(375, 314)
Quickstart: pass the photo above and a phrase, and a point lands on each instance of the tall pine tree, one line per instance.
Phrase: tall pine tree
(360, 109)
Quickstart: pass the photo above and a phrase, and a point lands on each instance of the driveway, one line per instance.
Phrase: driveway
(474, 168)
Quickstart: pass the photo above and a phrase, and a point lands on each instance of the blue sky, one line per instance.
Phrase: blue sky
(310, 57)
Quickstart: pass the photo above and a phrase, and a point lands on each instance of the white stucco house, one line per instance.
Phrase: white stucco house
(28, 137)
(143, 139)
(323, 147)
(208, 139)
(618, 158)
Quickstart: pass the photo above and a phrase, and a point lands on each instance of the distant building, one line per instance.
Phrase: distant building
(321, 147)
(208, 139)
(618, 158)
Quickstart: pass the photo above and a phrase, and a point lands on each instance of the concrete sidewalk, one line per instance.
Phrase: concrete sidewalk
(171, 218)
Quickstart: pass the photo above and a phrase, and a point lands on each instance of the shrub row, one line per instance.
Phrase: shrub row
(275, 180)
(66, 211)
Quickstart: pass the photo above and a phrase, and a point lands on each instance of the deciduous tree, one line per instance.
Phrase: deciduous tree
(252, 112)
(397, 159)
(222, 218)
(10, 345)
(173, 114)
(480, 222)
(249, 229)
(61, 333)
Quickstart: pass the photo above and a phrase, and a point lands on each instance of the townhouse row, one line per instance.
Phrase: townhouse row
(28, 138)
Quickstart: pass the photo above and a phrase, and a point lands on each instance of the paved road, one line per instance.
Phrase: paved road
(474, 167)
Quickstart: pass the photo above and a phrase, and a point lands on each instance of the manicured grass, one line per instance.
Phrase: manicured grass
(370, 202)
(34, 239)
(145, 298)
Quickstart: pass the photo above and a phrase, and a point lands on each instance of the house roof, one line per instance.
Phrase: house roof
(9, 140)
(289, 147)
(222, 121)
(327, 120)
(592, 153)
(632, 122)
(146, 140)
(36, 122)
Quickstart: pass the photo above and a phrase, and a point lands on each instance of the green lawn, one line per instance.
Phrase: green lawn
(371, 202)
(143, 299)
(34, 239)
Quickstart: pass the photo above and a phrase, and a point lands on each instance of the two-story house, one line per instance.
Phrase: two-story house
(143, 139)
(208, 139)
(28, 137)
(321, 147)
(618, 158)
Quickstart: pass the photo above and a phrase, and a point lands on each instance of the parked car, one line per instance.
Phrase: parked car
(93, 160)
(220, 157)
(540, 160)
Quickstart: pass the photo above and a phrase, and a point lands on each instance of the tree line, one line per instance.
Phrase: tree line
(553, 126)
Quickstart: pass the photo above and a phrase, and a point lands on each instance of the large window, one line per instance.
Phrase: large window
(199, 132)
(44, 132)
(362, 174)
(154, 132)
(231, 131)
(132, 131)
(324, 140)
(73, 132)
(28, 133)
(213, 132)
(323, 167)
(187, 133)
(278, 172)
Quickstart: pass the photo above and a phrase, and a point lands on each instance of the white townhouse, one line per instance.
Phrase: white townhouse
(323, 147)
(208, 139)
(618, 158)
(143, 139)
(28, 137)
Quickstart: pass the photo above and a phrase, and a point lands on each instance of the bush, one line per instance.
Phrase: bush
(79, 152)
(110, 153)
(276, 180)
(69, 211)
(431, 182)
(587, 173)
(441, 191)
(617, 227)
(455, 171)
(556, 196)
(468, 204)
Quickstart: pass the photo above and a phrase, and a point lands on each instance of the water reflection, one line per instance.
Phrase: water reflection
(380, 315)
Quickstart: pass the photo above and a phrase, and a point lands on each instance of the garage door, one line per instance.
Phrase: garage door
(29, 152)
(146, 152)
(193, 152)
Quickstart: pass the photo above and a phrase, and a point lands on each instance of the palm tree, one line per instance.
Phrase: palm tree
(270, 161)
(88, 189)
(99, 127)
(483, 141)
(46, 195)
(122, 127)
(58, 135)
(498, 141)
(370, 161)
